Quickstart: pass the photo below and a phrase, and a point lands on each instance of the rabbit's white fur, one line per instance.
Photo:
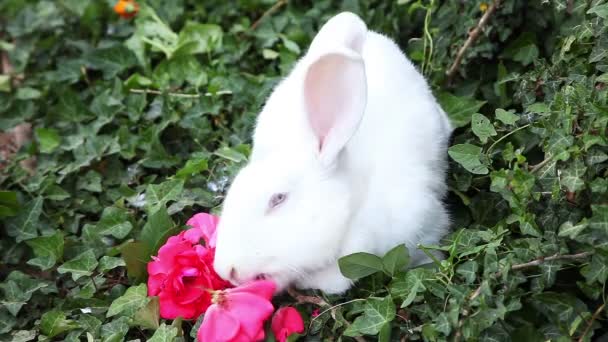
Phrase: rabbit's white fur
(357, 142)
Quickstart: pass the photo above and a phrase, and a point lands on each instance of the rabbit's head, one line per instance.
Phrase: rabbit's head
(287, 212)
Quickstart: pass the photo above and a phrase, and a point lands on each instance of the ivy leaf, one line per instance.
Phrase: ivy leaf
(572, 230)
(459, 109)
(408, 285)
(193, 167)
(7, 321)
(48, 249)
(157, 230)
(148, 316)
(572, 177)
(599, 220)
(18, 289)
(157, 195)
(80, 266)
(506, 117)
(482, 127)
(48, 139)
(599, 10)
(468, 156)
(197, 38)
(597, 270)
(396, 259)
(376, 313)
(54, 323)
(128, 304)
(359, 265)
(115, 330)
(107, 263)
(164, 333)
(9, 206)
(135, 254)
(24, 226)
(468, 270)
(114, 221)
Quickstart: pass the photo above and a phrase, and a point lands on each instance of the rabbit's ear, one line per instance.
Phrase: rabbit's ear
(345, 30)
(335, 96)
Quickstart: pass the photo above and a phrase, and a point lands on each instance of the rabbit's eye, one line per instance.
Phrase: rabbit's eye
(277, 199)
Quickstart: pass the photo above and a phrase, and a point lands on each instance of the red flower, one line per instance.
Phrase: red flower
(238, 314)
(126, 9)
(285, 322)
(182, 276)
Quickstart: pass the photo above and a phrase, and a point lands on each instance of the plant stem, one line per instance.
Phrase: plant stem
(505, 136)
(590, 324)
(270, 11)
(473, 35)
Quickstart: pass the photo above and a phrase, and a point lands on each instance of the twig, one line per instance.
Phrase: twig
(542, 260)
(473, 35)
(318, 301)
(270, 11)
(191, 96)
(535, 168)
(535, 262)
(321, 302)
(590, 324)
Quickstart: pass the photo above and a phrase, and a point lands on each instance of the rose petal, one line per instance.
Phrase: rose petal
(250, 310)
(285, 322)
(207, 224)
(262, 288)
(169, 309)
(218, 325)
(193, 235)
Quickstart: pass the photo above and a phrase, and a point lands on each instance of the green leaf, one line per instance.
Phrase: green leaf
(158, 195)
(359, 265)
(572, 230)
(407, 286)
(230, 154)
(599, 220)
(128, 304)
(148, 316)
(459, 109)
(114, 221)
(115, 330)
(7, 321)
(572, 177)
(48, 249)
(396, 259)
(385, 333)
(468, 156)
(9, 206)
(482, 127)
(18, 289)
(597, 270)
(165, 333)
(157, 230)
(107, 263)
(48, 139)
(80, 266)
(468, 271)
(54, 323)
(377, 312)
(599, 10)
(197, 38)
(136, 256)
(193, 167)
(506, 117)
(25, 225)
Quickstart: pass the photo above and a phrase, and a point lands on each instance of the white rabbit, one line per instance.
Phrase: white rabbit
(349, 155)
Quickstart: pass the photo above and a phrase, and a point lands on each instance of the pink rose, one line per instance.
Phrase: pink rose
(182, 276)
(238, 314)
(285, 322)
(206, 224)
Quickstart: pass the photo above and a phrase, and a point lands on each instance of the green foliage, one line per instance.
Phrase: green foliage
(138, 124)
